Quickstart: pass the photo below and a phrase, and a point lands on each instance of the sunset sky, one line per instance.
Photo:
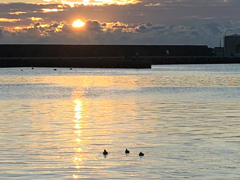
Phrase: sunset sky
(164, 22)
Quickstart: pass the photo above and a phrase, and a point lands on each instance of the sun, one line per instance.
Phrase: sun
(78, 23)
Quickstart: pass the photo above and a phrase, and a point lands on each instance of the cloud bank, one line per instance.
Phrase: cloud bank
(166, 22)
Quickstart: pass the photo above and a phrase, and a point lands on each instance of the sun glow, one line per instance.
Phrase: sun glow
(78, 23)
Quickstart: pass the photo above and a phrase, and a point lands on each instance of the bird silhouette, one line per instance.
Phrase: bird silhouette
(141, 154)
(105, 152)
(127, 151)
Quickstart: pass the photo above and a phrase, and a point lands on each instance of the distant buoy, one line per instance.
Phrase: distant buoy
(54, 69)
(141, 154)
(127, 151)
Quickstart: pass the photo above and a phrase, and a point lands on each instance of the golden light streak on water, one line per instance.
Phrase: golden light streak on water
(78, 149)
(75, 176)
(78, 108)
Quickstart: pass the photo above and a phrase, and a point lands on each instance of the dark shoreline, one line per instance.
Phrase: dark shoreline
(76, 62)
(106, 56)
(109, 62)
(194, 60)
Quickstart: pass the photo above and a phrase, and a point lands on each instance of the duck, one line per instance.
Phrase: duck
(141, 154)
(127, 151)
(105, 152)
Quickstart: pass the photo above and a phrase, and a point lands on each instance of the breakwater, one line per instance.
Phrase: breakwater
(194, 60)
(104, 56)
(77, 62)
(15, 50)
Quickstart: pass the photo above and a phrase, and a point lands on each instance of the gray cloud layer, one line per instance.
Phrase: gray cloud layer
(148, 22)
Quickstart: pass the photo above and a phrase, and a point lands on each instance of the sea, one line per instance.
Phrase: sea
(55, 123)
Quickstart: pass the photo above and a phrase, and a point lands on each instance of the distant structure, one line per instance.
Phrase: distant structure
(34, 50)
(230, 45)
(219, 51)
(116, 56)
(238, 49)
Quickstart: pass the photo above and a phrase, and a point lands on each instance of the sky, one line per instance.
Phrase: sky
(130, 22)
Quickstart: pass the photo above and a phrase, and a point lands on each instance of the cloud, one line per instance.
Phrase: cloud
(92, 25)
(141, 22)
(96, 32)
(213, 27)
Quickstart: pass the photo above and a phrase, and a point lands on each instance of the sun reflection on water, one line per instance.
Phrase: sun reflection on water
(77, 124)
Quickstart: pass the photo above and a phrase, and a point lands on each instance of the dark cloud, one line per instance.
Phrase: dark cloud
(213, 27)
(1, 33)
(144, 28)
(93, 25)
(96, 32)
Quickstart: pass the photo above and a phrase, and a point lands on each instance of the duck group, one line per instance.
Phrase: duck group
(105, 153)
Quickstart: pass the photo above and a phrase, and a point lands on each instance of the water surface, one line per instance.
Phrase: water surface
(185, 119)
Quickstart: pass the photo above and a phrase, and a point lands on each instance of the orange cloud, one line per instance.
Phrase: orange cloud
(9, 20)
(73, 3)
(17, 13)
(36, 19)
(51, 10)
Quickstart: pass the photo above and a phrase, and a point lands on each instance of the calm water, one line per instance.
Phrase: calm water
(56, 124)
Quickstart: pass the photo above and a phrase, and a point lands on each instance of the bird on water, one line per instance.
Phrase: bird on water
(127, 151)
(141, 154)
(105, 152)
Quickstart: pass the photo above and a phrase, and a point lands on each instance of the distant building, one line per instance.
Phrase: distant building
(230, 43)
(219, 51)
(238, 50)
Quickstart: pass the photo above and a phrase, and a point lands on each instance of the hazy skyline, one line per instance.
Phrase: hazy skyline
(164, 22)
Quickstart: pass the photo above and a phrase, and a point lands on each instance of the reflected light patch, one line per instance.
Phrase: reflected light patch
(78, 132)
(78, 23)
(77, 126)
(77, 159)
(75, 176)
(78, 149)
(78, 140)
(78, 116)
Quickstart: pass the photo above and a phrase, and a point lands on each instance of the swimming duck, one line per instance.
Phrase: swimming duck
(141, 154)
(105, 152)
(127, 151)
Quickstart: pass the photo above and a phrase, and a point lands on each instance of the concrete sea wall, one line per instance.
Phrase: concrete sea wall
(104, 56)
(101, 50)
(77, 62)
(193, 60)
